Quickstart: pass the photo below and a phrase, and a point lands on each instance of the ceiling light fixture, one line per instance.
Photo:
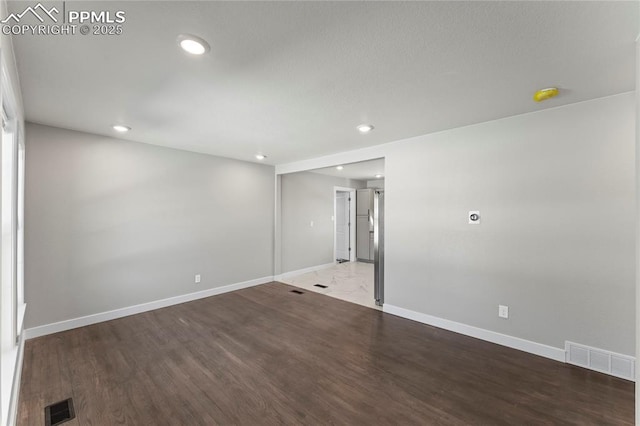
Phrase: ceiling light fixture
(365, 128)
(120, 128)
(261, 156)
(193, 44)
(544, 94)
(339, 167)
(378, 176)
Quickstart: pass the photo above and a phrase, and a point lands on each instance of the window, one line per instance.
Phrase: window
(12, 307)
(20, 305)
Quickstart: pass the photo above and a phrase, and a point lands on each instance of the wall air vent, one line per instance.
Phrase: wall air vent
(607, 362)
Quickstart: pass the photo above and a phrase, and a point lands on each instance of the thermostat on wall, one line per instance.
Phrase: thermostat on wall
(474, 218)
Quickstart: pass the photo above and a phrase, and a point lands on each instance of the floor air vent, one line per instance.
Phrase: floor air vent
(297, 291)
(320, 285)
(607, 362)
(58, 413)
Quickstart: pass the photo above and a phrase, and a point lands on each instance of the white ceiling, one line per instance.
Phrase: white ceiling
(293, 79)
(364, 170)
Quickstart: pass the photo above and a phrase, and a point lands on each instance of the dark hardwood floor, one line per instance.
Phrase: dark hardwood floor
(264, 356)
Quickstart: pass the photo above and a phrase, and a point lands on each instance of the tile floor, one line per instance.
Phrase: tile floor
(350, 281)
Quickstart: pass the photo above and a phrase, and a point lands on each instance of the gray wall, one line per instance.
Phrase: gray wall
(307, 197)
(110, 224)
(378, 183)
(637, 117)
(556, 192)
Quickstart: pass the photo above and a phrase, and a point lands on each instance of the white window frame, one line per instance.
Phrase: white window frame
(12, 306)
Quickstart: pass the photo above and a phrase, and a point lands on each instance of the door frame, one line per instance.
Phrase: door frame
(352, 221)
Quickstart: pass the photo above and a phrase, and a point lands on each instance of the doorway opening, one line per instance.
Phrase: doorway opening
(332, 231)
(344, 229)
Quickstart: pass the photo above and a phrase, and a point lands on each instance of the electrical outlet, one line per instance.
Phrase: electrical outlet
(197, 278)
(503, 311)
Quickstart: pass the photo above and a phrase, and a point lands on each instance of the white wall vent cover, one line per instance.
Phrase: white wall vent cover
(618, 365)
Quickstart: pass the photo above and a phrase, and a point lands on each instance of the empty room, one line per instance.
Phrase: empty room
(319, 212)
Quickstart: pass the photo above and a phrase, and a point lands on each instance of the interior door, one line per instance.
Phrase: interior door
(342, 226)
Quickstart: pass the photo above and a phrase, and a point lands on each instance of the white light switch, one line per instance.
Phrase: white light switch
(311, 224)
(197, 278)
(503, 311)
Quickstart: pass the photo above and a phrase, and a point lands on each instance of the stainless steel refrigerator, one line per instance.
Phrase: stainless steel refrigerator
(364, 225)
(378, 245)
(370, 234)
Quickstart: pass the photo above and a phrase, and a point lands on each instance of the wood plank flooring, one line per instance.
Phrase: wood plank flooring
(264, 355)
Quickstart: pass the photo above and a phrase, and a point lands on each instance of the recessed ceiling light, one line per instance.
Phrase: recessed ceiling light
(378, 176)
(120, 128)
(193, 44)
(339, 167)
(365, 128)
(261, 156)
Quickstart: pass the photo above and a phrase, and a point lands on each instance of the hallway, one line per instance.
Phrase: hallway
(349, 281)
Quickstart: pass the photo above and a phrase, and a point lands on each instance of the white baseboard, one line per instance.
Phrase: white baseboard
(290, 274)
(69, 324)
(546, 351)
(15, 387)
